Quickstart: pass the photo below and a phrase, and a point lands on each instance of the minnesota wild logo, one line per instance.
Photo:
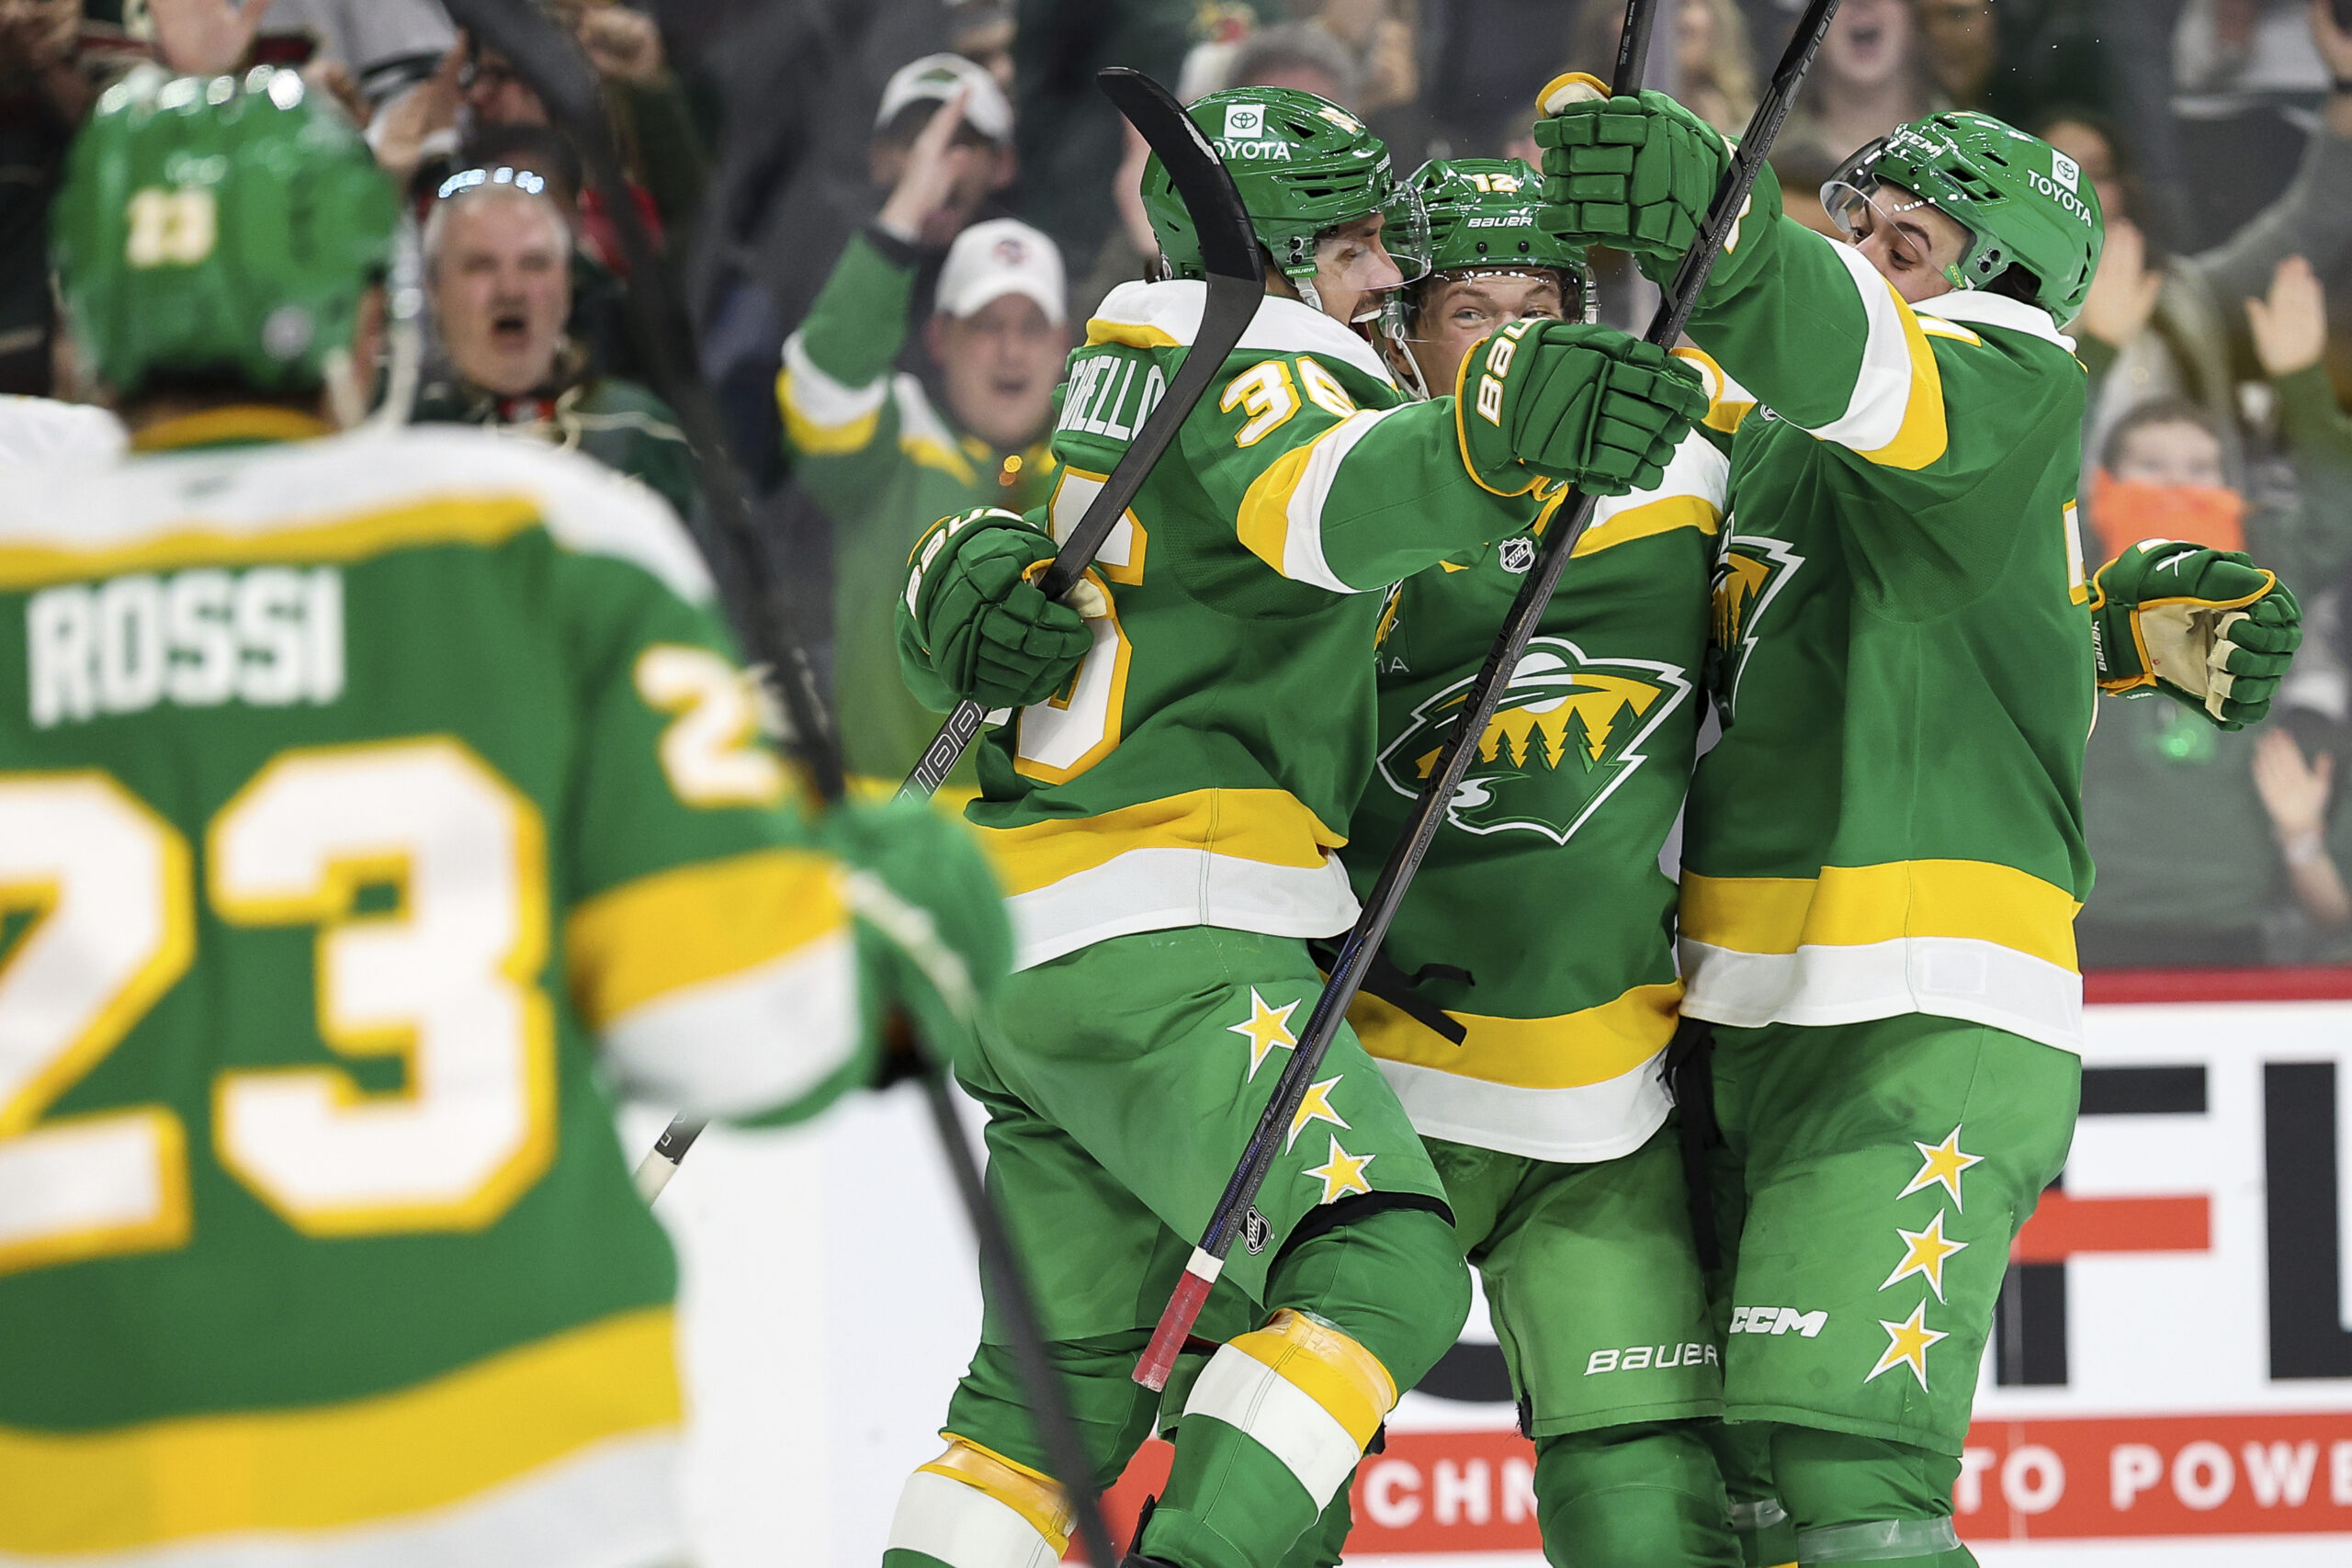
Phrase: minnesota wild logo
(1749, 574)
(1568, 733)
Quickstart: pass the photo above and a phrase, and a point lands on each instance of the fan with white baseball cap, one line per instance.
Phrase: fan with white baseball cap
(935, 78)
(1003, 256)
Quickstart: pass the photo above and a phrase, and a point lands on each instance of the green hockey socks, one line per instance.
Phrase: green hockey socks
(1646, 1493)
(1867, 1500)
(1273, 1429)
(1270, 1431)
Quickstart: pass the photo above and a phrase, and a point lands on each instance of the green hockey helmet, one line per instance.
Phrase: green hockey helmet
(1481, 213)
(1303, 166)
(218, 226)
(2025, 204)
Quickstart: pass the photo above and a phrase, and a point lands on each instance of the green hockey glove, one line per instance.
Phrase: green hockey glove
(2207, 628)
(1562, 399)
(934, 940)
(1636, 173)
(990, 636)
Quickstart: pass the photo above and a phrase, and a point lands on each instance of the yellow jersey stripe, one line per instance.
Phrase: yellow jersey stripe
(661, 933)
(1727, 401)
(1924, 435)
(1934, 327)
(1265, 825)
(343, 1465)
(1263, 520)
(481, 521)
(1134, 334)
(246, 421)
(1568, 1051)
(1037, 1498)
(1648, 519)
(1327, 1365)
(1853, 906)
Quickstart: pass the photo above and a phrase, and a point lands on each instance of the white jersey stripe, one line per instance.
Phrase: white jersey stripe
(1280, 1417)
(1883, 390)
(1303, 558)
(1581, 1125)
(612, 1506)
(963, 1526)
(714, 1049)
(1162, 888)
(820, 399)
(1962, 977)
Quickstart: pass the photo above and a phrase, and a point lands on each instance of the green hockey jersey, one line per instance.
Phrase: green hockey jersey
(1544, 885)
(1892, 821)
(1202, 765)
(359, 796)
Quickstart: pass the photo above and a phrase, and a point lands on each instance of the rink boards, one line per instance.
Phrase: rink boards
(2171, 1380)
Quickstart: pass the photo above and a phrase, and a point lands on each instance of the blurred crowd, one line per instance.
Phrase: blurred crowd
(895, 216)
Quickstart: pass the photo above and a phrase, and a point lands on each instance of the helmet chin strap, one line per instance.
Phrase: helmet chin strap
(1309, 293)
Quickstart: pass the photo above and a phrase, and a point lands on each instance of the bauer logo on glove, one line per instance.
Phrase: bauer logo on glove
(2206, 628)
(1563, 399)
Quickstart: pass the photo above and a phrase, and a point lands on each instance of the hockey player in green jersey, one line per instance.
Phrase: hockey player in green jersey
(1527, 1047)
(1884, 857)
(363, 796)
(1165, 819)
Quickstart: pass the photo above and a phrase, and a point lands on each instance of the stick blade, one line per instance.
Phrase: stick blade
(1228, 245)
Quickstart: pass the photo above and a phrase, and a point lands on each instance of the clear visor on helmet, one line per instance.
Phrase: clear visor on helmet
(1384, 249)
(1860, 204)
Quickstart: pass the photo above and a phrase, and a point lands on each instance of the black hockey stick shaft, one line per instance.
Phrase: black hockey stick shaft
(1237, 284)
(747, 567)
(1634, 46)
(1478, 709)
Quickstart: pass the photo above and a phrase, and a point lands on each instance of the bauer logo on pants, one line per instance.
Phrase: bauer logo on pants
(1569, 732)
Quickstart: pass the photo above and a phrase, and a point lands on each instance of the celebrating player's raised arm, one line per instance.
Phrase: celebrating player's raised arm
(1858, 343)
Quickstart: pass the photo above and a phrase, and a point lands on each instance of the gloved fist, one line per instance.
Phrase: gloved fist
(989, 634)
(934, 940)
(1566, 400)
(2206, 628)
(1636, 173)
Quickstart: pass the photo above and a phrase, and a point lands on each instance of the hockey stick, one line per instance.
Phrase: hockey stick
(1237, 284)
(1485, 695)
(750, 574)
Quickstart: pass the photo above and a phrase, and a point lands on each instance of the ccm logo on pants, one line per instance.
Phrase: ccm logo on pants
(1777, 1320)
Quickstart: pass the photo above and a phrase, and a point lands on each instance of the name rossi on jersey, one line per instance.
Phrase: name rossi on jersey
(270, 635)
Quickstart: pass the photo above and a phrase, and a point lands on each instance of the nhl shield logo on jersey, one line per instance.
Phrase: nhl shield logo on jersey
(1568, 733)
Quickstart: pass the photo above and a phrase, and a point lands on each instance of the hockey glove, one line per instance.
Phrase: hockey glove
(1566, 400)
(933, 939)
(988, 633)
(1636, 173)
(2207, 628)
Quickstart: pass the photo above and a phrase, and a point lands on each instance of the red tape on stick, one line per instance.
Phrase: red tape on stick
(1184, 1306)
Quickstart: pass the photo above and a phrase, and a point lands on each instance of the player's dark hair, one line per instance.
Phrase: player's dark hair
(2017, 283)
